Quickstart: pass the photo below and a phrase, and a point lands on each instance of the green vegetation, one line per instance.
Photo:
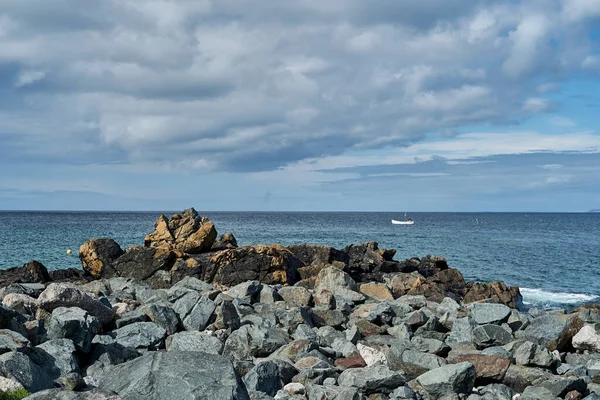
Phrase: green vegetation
(16, 394)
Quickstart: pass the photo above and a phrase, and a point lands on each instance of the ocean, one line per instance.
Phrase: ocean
(553, 257)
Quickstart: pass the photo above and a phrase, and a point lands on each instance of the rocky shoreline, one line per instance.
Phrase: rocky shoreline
(193, 316)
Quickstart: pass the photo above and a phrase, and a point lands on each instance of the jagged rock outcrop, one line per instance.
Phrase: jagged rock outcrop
(32, 272)
(186, 232)
(270, 264)
(97, 256)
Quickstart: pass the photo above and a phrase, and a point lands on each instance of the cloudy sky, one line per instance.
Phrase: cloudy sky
(396, 105)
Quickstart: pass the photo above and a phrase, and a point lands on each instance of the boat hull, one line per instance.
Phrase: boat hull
(402, 222)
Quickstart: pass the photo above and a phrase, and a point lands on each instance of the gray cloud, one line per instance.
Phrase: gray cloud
(247, 86)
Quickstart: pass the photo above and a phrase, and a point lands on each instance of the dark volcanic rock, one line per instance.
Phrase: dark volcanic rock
(175, 375)
(366, 261)
(498, 292)
(226, 241)
(97, 255)
(141, 263)
(32, 272)
(270, 264)
(445, 283)
(316, 254)
(67, 275)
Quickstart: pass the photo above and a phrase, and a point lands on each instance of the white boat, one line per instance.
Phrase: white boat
(407, 222)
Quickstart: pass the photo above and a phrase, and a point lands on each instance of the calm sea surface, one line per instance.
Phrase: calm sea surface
(554, 258)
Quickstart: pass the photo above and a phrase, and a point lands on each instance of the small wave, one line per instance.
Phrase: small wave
(542, 297)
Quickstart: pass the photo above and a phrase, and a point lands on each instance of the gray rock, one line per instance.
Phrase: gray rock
(76, 324)
(449, 379)
(269, 376)
(327, 335)
(141, 335)
(497, 351)
(554, 331)
(376, 379)
(131, 317)
(65, 394)
(162, 315)
(491, 335)
(429, 345)
(318, 392)
(194, 311)
(339, 283)
(416, 319)
(17, 366)
(489, 313)
(537, 393)
(246, 290)
(269, 295)
(292, 317)
(175, 375)
(11, 340)
(518, 320)
(403, 393)
(66, 295)
(462, 332)
(412, 362)
(194, 341)
(106, 354)
(344, 347)
(253, 341)
(496, 391)
(227, 316)
(400, 331)
(304, 332)
(560, 386)
(532, 355)
(56, 357)
(518, 377)
(188, 283)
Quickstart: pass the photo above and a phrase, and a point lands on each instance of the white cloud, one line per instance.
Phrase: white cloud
(246, 86)
(562, 122)
(28, 77)
(537, 104)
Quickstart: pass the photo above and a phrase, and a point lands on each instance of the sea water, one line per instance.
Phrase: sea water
(553, 257)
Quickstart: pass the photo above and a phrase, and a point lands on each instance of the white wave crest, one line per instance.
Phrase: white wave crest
(539, 296)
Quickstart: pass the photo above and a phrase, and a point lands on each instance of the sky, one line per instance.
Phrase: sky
(300, 105)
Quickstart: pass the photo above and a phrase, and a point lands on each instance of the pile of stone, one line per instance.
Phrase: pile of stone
(191, 317)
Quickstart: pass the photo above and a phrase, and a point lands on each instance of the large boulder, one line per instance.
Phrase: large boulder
(366, 261)
(74, 323)
(97, 256)
(497, 292)
(187, 232)
(141, 263)
(376, 379)
(554, 331)
(175, 375)
(270, 264)
(339, 283)
(32, 272)
(316, 254)
(448, 380)
(447, 282)
(588, 338)
(67, 295)
(17, 366)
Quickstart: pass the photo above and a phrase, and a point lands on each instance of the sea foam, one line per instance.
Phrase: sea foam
(542, 297)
